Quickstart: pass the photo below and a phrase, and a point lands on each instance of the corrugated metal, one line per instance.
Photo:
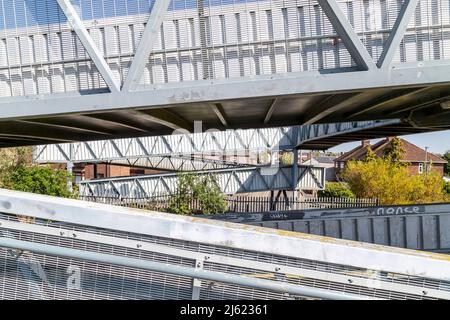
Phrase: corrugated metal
(421, 227)
(230, 181)
(40, 54)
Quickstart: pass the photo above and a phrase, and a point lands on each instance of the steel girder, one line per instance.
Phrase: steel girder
(373, 74)
(230, 181)
(176, 163)
(57, 229)
(232, 142)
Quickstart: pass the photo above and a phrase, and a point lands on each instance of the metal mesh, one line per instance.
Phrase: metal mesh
(22, 278)
(41, 54)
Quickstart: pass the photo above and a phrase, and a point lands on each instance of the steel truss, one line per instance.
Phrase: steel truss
(230, 142)
(121, 97)
(230, 181)
(194, 258)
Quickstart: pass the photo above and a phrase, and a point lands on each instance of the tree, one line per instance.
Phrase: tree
(287, 158)
(17, 172)
(391, 183)
(336, 190)
(370, 155)
(41, 180)
(446, 156)
(394, 152)
(197, 194)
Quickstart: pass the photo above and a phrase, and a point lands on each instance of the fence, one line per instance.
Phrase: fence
(241, 204)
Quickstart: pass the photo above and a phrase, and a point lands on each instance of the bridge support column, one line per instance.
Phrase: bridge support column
(294, 177)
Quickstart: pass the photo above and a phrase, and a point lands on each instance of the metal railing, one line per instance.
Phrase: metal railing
(71, 249)
(239, 204)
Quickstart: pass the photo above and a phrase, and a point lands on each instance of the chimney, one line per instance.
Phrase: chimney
(365, 143)
(388, 139)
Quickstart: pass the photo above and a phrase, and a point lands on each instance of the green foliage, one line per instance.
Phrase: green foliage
(390, 182)
(446, 156)
(395, 151)
(370, 155)
(287, 158)
(336, 190)
(447, 188)
(18, 173)
(264, 157)
(39, 179)
(197, 194)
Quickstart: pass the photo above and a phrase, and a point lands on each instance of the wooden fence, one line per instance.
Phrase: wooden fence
(241, 204)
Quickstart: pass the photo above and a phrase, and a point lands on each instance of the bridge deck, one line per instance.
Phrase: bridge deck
(77, 250)
(230, 65)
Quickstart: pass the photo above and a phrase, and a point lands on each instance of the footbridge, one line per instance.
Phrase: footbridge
(53, 248)
(229, 142)
(77, 72)
(230, 181)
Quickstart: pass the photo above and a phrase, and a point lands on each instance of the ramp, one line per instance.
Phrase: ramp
(70, 249)
(419, 227)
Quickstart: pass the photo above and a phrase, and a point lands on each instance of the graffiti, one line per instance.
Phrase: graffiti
(397, 210)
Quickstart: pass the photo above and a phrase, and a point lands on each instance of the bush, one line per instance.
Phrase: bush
(336, 190)
(287, 158)
(39, 179)
(447, 187)
(197, 194)
(391, 183)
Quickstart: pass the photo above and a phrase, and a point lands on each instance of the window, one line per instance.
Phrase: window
(421, 167)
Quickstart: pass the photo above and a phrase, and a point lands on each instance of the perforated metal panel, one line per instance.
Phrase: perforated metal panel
(369, 271)
(40, 53)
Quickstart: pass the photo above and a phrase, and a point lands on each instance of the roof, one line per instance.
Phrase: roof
(325, 159)
(412, 152)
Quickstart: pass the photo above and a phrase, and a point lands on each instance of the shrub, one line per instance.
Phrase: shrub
(391, 183)
(336, 190)
(197, 194)
(39, 179)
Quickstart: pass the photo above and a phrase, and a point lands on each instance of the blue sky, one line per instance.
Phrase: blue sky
(438, 142)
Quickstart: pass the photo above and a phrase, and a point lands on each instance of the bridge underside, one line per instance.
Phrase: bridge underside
(326, 142)
(265, 64)
(421, 109)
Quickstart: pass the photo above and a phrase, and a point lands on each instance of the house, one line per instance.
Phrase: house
(322, 161)
(416, 157)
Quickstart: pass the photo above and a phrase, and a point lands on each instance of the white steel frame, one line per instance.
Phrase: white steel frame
(373, 258)
(368, 75)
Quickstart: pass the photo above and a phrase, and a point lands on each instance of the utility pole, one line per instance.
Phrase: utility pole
(426, 159)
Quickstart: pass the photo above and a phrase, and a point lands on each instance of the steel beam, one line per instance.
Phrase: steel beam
(165, 118)
(308, 82)
(345, 31)
(220, 113)
(407, 263)
(145, 47)
(230, 181)
(271, 109)
(395, 37)
(89, 44)
(228, 142)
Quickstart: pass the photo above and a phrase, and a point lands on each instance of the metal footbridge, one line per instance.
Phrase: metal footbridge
(54, 248)
(74, 71)
(77, 72)
(230, 181)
